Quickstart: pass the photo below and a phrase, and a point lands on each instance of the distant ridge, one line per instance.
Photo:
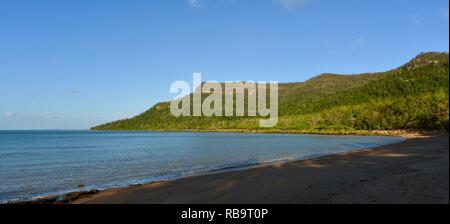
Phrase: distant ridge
(413, 96)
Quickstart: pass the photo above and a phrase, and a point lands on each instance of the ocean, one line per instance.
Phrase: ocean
(35, 164)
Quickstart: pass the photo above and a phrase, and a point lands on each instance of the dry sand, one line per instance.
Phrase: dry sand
(414, 171)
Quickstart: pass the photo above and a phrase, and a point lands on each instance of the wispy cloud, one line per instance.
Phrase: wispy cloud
(194, 3)
(361, 40)
(74, 92)
(291, 4)
(56, 61)
(418, 22)
(8, 114)
(357, 43)
(445, 13)
(287, 4)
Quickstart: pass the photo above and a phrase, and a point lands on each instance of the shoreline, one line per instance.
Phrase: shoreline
(93, 195)
(408, 134)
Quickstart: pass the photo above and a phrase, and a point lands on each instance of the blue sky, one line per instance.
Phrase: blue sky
(75, 64)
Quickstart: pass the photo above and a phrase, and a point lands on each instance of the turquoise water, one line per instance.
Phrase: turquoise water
(39, 163)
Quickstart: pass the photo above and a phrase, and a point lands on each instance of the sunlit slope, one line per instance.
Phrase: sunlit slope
(413, 96)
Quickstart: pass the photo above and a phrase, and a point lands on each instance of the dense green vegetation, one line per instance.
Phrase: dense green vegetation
(412, 97)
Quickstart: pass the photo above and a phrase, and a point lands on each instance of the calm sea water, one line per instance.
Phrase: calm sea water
(39, 163)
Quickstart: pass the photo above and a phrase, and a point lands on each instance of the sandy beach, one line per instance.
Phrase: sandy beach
(414, 171)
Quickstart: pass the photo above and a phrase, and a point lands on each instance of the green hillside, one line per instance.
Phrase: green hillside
(412, 97)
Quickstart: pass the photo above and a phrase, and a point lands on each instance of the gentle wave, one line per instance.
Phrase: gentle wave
(102, 160)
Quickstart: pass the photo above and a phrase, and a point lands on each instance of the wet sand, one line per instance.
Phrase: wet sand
(414, 171)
